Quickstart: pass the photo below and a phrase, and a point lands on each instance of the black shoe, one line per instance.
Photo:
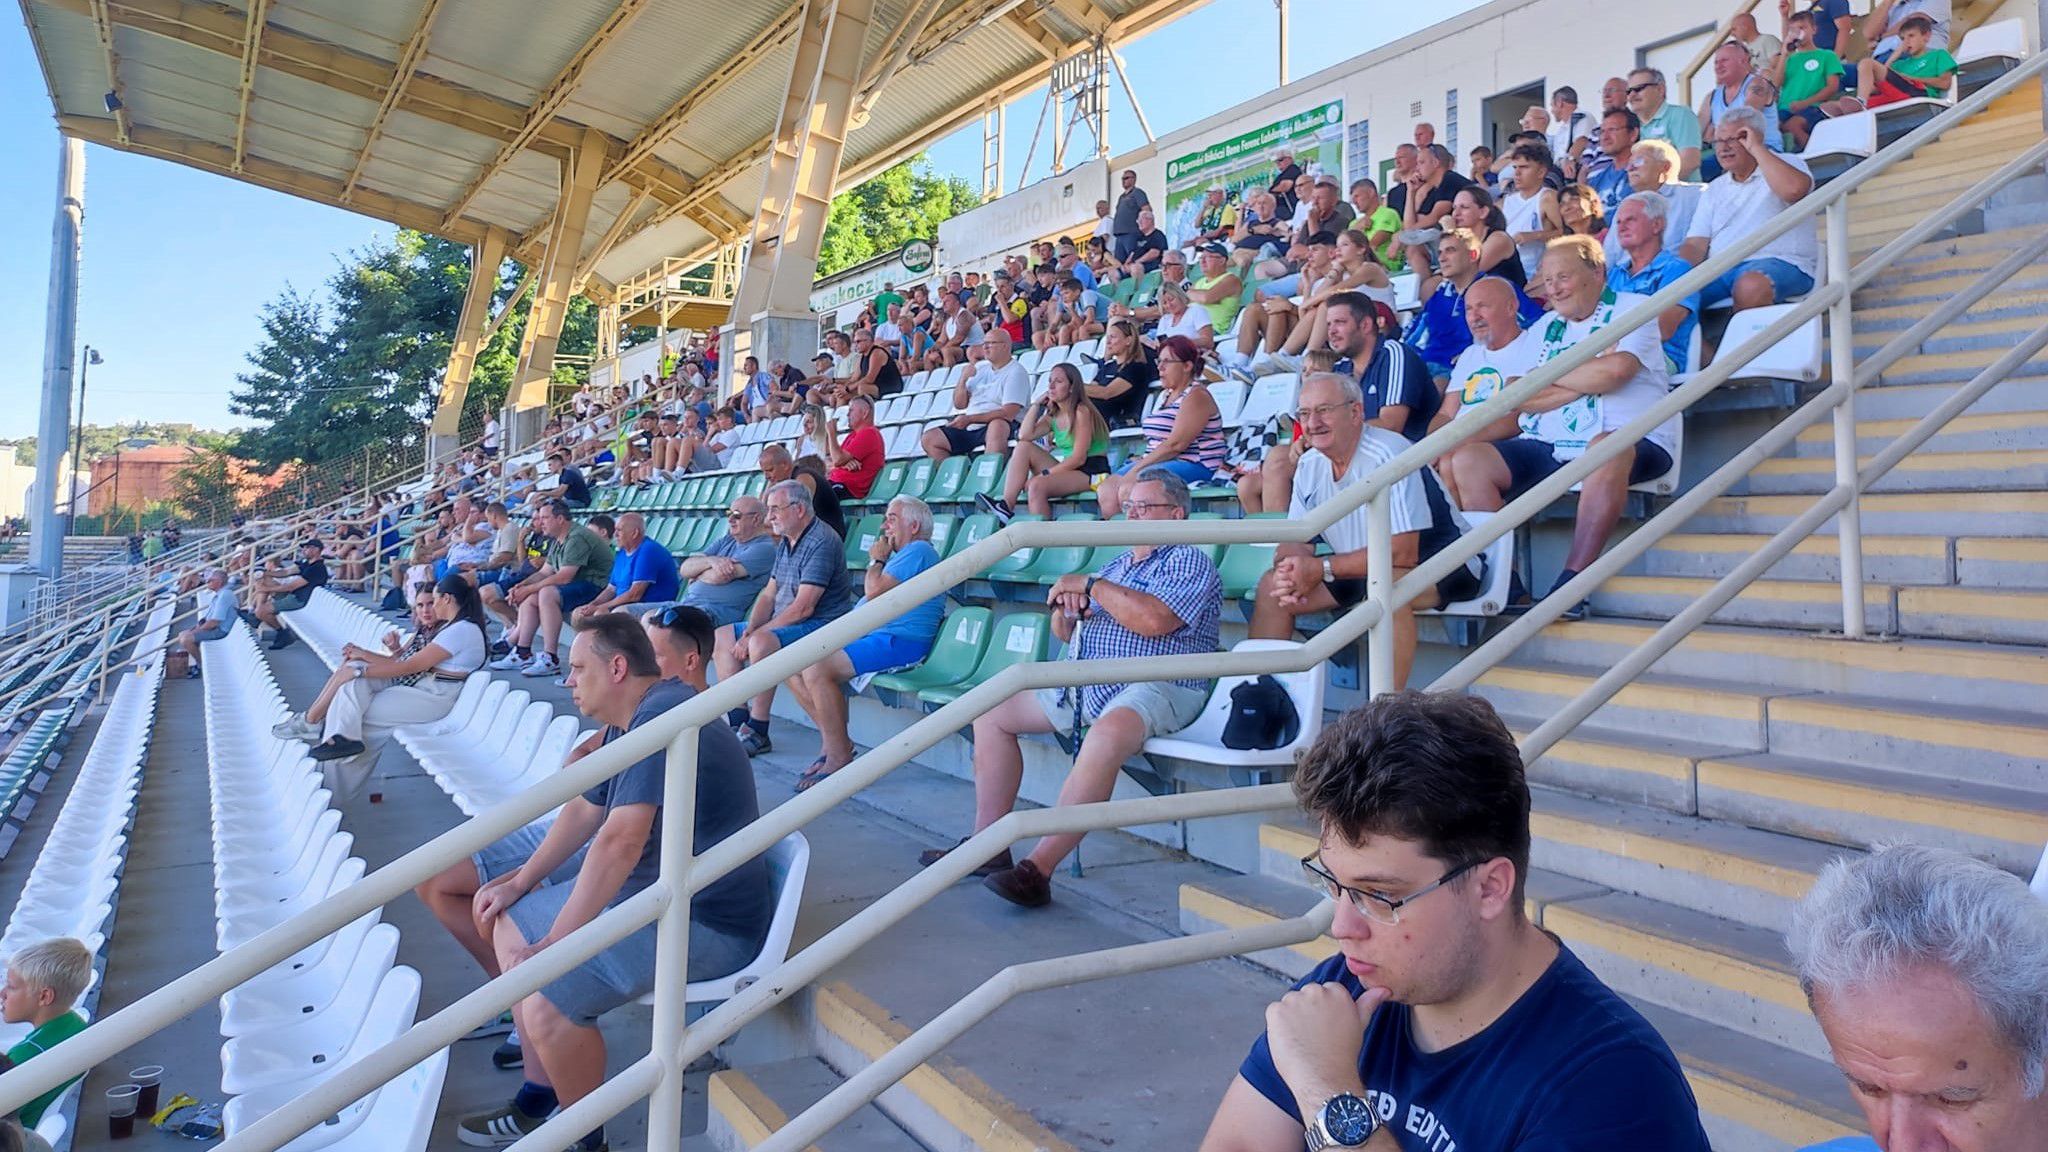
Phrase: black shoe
(1000, 862)
(337, 748)
(508, 1056)
(1000, 509)
(284, 640)
(192, 672)
(1024, 885)
(1577, 611)
(500, 648)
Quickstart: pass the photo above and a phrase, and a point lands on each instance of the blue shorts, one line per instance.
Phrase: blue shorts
(887, 651)
(1530, 461)
(1810, 116)
(787, 634)
(576, 593)
(1786, 281)
(1283, 287)
(1190, 472)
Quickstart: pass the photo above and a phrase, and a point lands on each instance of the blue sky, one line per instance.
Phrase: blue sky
(177, 261)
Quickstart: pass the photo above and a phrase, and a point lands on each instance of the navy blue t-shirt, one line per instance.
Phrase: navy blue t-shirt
(1569, 1067)
(1395, 374)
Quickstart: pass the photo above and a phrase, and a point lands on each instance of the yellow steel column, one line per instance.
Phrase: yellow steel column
(485, 259)
(528, 400)
(817, 168)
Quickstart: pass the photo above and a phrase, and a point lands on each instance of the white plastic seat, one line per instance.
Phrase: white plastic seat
(311, 1045)
(789, 862)
(1202, 741)
(1841, 141)
(1799, 356)
(346, 941)
(1269, 396)
(1032, 360)
(233, 931)
(390, 1013)
(315, 862)
(1229, 396)
(282, 1003)
(1500, 574)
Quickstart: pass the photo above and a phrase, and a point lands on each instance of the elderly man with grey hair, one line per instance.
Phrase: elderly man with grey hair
(1154, 600)
(1755, 186)
(1647, 266)
(903, 550)
(806, 590)
(214, 619)
(1928, 973)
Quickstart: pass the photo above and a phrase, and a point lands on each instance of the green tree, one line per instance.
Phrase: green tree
(204, 489)
(902, 203)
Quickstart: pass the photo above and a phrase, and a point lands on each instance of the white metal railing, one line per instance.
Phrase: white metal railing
(684, 871)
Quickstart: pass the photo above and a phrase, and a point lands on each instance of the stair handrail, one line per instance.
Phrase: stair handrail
(666, 901)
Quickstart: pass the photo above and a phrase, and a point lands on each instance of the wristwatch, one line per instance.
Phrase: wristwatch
(1329, 571)
(1088, 588)
(1344, 1121)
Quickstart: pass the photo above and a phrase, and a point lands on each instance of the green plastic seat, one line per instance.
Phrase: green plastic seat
(1013, 566)
(943, 527)
(962, 640)
(1149, 283)
(722, 492)
(919, 478)
(946, 480)
(1213, 551)
(1243, 564)
(699, 534)
(888, 484)
(755, 484)
(605, 500)
(860, 536)
(1016, 638)
(1063, 560)
(984, 477)
(972, 530)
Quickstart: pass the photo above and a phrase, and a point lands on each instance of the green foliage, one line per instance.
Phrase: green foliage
(350, 378)
(204, 489)
(901, 204)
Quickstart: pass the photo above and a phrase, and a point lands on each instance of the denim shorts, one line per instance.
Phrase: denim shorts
(1189, 472)
(1786, 281)
(621, 973)
(1161, 705)
(210, 630)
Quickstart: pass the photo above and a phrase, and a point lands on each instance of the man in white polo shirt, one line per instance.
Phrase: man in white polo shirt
(1756, 185)
(989, 399)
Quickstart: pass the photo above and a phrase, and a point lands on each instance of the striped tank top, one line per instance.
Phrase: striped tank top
(1208, 449)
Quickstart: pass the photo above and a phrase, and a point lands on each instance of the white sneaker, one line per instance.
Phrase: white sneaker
(542, 664)
(295, 727)
(508, 662)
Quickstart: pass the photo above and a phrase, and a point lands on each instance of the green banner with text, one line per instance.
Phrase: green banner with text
(1246, 163)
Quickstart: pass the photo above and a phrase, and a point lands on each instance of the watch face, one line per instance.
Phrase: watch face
(1349, 1120)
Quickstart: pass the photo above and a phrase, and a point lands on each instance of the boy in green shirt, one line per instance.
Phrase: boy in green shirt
(1807, 78)
(1913, 72)
(43, 981)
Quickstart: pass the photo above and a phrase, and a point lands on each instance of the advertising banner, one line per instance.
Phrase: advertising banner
(1245, 163)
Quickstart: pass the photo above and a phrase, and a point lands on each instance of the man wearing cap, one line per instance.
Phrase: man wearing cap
(1286, 177)
(275, 594)
(1217, 289)
(1124, 229)
(819, 385)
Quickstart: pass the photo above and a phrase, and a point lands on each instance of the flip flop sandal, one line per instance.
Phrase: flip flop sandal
(813, 776)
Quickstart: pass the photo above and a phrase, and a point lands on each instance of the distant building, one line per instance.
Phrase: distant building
(136, 477)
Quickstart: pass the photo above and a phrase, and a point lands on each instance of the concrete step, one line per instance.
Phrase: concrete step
(747, 1105)
(1913, 401)
(1889, 559)
(1862, 806)
(1667, 707)
(1228, 902)
(1970, 432)
(2005, 303)
(1736, 975)
(2002, 563)
(2008, 615)
(1934, 671)
(1740, 874)
(1953, 367)
(2018, 470)
(1922, 286)
(1963, 335)
(941, 1104)
(1767, 603)
(2003, 747)
(1991, 514)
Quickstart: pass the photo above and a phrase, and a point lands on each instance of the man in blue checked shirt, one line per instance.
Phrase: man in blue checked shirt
(1151, 601)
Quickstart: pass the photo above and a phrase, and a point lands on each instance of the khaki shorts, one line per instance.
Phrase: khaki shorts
(1162, 705)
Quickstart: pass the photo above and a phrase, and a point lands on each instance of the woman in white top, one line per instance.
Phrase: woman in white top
(1178, 316)
(412, 682)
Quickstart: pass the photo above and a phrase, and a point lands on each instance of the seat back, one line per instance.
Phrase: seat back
(1270, 396)
(943, 527)
(984, 476)
(1017, 638)
(1500, 574)
(1229, 396)
(1204, 737)
(861, 536)
(946, 480)
(971, 531)
(1796, 357)
(919, 478)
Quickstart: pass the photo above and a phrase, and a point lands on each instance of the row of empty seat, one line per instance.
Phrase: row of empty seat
(277, 851)
(70, 890)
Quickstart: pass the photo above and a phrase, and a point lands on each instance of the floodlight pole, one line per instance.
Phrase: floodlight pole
(60, 339)
(1282, 6)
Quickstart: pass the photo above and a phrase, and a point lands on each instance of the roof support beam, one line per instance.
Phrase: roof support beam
(252, 43)
(485, 257)
(551, 301)
(828, 119)
(650, 138)
(408, 63)
(551, 99)
(611, 237)
(103, 29)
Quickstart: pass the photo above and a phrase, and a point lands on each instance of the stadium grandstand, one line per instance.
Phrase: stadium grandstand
(1074, 650)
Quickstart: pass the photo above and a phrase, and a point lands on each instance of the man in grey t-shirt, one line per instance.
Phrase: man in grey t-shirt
(807, 589)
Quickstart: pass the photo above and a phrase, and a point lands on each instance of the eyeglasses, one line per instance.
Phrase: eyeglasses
(1133, 507)
(1373, 906)
(1638, 89)
(1306, 414)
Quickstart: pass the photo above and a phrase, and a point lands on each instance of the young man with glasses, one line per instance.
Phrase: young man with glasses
(1448, 1019)
(1343, 450)
(1154, 600)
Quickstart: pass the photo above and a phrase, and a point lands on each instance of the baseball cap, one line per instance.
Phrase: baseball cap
(1212, 248)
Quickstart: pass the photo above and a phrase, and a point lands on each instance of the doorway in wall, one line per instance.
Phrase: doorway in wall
(1501, 116)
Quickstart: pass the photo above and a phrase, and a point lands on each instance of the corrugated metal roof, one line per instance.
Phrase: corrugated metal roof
(326, 70)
